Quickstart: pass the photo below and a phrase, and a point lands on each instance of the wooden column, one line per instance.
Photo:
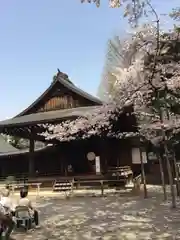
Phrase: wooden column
(65, 169)
(103, 153)
(143, 175)
(61, 165)
(31, 157)
(3, 168)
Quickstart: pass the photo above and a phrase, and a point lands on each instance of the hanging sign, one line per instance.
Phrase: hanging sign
(136, 156)
(98, 167)
(144, 157)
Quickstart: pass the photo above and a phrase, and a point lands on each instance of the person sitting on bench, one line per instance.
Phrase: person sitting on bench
(25, 202)
(7, 221)
(6, 202)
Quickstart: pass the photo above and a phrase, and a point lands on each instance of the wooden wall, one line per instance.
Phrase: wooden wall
(112, 153)
(59, 102)
(116, 153)
(62, 102)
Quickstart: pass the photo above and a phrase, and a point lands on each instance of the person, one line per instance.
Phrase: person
(24, 201)
(7, 221)
(7, 202)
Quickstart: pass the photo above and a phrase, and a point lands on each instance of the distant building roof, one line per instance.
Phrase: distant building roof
(6, 149)
(63, 79)
(5, 146)
(23, 151)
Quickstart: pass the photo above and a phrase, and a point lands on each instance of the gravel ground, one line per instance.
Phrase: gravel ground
(115, 216)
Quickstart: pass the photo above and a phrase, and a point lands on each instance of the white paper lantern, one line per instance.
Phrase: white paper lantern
(91, 156)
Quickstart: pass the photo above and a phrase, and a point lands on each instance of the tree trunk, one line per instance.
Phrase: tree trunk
(161, 113)
(177, 175)
(174, 162)
(170, 176)
(162, 175)
(143, 176)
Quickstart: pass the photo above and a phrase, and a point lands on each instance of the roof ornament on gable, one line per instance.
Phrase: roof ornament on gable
(61, 75)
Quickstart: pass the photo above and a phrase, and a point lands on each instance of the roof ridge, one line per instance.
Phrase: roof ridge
(64, 79)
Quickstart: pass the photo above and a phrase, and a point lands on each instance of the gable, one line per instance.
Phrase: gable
(62, 94)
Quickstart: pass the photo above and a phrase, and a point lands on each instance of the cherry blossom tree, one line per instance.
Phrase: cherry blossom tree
(148, 77)
(133, 9)
(146, 72)
(117, 3)
(99, 122)
(143, 79)
(175, 14)
(17, 142)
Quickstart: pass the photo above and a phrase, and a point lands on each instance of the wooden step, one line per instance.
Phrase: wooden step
(62, 186)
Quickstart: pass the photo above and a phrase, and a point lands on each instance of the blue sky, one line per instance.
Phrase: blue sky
(39, 36)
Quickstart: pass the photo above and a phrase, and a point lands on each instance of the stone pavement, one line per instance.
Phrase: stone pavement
(116, 216)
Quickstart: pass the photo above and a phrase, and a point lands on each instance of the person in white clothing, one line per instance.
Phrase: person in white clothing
(6, 201)
(24, 201)
(7, 221)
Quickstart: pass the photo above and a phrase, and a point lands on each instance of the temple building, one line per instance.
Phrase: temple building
(70, 149)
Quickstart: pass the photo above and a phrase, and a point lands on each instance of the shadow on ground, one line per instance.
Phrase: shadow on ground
(120, 216)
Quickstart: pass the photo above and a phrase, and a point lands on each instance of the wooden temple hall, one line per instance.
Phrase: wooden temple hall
(69, 151)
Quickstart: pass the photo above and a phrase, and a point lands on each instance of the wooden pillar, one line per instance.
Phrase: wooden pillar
(61, 165)
(31, 158)
(65, 169)
(103, 153)
(3, 168)
(143, 176)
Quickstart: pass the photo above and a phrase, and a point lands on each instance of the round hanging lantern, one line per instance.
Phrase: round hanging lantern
(91, 156)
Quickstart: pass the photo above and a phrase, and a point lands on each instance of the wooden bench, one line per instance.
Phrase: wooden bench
(100, 183)
(89, 184)
(21, 185)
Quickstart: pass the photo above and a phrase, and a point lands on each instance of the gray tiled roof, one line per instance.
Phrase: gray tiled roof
(22, 151)
(5, 146)
(46, 117)
(6, 149)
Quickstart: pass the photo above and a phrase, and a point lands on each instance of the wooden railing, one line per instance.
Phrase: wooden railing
(102, 184)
